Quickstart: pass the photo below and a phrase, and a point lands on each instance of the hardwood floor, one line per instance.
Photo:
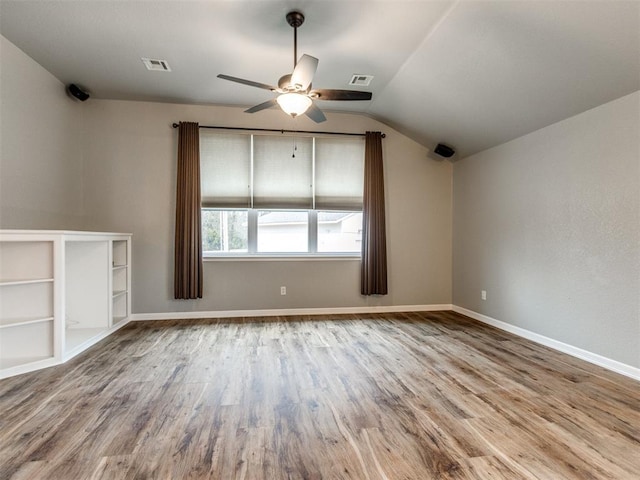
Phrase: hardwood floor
(393, 396)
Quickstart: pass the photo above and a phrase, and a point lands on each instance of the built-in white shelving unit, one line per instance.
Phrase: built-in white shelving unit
(120, 296)
(60, 292)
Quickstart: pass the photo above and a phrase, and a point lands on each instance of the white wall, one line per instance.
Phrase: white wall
(40, 147)
(130, 162)
(549, 225)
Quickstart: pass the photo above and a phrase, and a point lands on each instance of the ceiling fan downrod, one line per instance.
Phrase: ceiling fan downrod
(295, 19)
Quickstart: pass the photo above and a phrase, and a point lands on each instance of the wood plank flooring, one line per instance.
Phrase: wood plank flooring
(393, 396)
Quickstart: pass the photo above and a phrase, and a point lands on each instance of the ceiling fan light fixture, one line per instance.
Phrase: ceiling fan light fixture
(294, 104)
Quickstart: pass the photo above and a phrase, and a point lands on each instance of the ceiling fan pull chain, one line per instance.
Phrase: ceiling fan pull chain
(294, 136)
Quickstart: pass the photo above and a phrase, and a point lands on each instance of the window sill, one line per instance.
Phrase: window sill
(282, 257)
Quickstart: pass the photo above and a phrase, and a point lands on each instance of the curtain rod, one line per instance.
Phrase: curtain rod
(175, 125)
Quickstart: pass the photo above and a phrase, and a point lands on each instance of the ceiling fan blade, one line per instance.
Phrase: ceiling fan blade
(247, 82)
(328, 94)
(305, 70)
(262, 106)
(315, 114)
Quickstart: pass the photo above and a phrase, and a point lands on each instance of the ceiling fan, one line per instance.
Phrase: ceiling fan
(296, 95)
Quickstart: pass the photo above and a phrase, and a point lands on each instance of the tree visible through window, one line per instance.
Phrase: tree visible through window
(224, 231)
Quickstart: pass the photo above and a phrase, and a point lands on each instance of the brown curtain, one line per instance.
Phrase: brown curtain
(374, 242)
(187, 281)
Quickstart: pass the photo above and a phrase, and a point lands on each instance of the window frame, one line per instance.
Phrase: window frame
(252, 240)
(252, 221)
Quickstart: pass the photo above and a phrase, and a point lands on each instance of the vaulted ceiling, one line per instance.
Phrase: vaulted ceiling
(472, 74)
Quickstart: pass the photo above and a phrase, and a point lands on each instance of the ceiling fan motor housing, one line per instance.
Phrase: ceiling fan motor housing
(285, 85)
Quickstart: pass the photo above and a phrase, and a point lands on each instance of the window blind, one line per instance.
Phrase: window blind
(225, 165)
(339, 173)
(282, 172)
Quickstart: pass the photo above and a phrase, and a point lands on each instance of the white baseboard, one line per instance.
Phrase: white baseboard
(590, 357)
(136, 317)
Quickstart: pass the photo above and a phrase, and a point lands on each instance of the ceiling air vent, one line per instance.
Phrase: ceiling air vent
(361, 80)
(156, 65)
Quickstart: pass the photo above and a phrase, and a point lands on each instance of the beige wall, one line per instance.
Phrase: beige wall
(549, 225)
(110, 166)
(129, 152)
(40, 147)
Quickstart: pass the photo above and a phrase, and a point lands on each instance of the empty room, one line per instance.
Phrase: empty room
(310, 239)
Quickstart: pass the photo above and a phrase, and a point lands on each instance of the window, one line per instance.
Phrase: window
(224, 231)
(283, 231)
(267, 194)
(339, 232)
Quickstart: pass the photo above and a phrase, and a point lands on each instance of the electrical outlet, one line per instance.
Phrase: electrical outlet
(484, 294)
(283, 290)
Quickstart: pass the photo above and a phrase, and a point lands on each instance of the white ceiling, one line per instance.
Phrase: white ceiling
(472, 74)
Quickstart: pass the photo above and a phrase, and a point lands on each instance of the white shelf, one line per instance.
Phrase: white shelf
(60, 292)
(16, 322)
(27, 300)
(29, 281)
(26, 342)
(7, 363)
(74, 337)
(26, 257)
(87, 284)
(119, 253)
(120, 281)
